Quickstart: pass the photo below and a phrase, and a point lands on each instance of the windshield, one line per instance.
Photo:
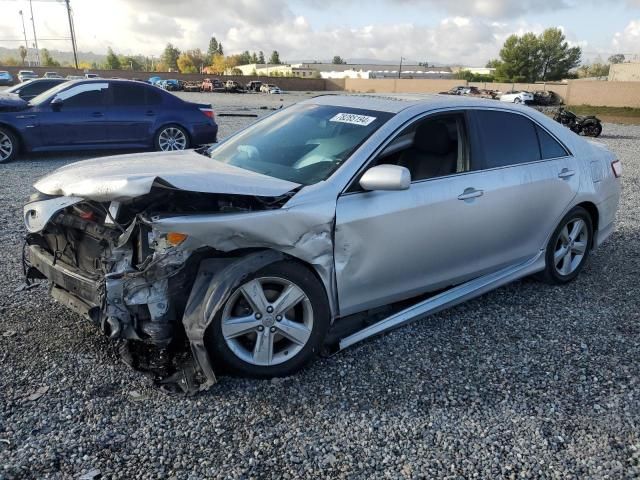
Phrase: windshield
(302, 144)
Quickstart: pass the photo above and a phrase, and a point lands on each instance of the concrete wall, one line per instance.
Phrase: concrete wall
(625, 72)
(604, 94)
(286, 83)
(395, 85)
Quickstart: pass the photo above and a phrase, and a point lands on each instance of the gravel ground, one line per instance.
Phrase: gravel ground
(529, 381)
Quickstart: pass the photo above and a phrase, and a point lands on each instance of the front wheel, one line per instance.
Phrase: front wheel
(8, 146)
(171, 138)
(517, 100)
(568, 248)
(273, 324)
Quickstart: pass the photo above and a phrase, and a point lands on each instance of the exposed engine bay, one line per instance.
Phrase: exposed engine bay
(106, 260)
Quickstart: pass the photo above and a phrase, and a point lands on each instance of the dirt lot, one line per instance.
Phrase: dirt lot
(529, 381)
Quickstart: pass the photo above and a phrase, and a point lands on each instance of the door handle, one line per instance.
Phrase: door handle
(97, 114)
(566, 173)
(470, 193)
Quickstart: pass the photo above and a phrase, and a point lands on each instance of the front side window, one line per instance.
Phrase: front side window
(506, 138)
(430, 148)
(303, 144)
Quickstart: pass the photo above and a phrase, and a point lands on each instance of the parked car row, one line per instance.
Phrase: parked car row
(6, 79)
(91, 114)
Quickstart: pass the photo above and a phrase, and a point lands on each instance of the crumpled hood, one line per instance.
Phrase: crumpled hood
(12, 102)
(123, 177)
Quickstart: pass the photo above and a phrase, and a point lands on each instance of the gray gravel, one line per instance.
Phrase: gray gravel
(529, 381)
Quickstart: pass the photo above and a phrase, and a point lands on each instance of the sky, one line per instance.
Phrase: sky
(448, 32)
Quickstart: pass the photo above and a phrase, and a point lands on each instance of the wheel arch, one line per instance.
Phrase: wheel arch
(18, 135)
(592, 209)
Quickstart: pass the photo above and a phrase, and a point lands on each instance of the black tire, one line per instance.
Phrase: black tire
(517, 100)
(592, 130)
(552, 274)
(9, 145)
(158, 137)
(293, 272)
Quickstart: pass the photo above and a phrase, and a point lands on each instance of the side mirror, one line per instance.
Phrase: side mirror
(56, 104)
(386, 177)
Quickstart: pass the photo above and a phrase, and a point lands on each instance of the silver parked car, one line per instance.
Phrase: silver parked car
(326, 223)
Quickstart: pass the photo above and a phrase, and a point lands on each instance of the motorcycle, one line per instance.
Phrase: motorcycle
(589, 126)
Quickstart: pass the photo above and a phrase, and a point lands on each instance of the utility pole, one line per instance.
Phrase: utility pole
(73, 34)
(400, 71)
(35, 37)
(24, 32)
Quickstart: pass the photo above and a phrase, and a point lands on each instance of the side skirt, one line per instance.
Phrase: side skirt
(449, 298)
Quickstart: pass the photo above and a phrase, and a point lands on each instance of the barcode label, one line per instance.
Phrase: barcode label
(354, 119)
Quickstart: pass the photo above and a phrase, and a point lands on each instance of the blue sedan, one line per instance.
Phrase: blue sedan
(102, 114)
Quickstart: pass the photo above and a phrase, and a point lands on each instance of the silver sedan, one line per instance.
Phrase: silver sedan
(322, 225)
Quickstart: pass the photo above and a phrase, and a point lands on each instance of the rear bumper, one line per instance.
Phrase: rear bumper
(204, 133)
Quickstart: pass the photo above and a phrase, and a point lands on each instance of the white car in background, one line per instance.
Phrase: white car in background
(275, 90)
(518, 97)
(24, 75)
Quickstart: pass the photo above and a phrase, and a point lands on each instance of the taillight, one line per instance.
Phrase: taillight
(208, 112)
(617, 168)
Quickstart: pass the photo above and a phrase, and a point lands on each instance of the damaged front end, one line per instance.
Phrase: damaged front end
(110, 261)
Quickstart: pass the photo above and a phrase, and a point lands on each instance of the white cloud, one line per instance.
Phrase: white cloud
(628, 41)
(469, 32)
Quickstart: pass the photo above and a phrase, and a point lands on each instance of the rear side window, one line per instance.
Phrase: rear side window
(153, 97)
(549, 146)
(506, 138)
(128, 95)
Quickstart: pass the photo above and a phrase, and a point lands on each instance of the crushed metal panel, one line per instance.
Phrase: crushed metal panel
(216, 280)
(123, 177)
(304, 232)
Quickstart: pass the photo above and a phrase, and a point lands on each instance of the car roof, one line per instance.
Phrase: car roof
(395, 103)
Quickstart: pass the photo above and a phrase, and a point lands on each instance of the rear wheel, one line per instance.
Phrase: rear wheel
(171, 138)
(273, 324)
(592, 129)
(517, 100)
(568, 248)
(8, 146)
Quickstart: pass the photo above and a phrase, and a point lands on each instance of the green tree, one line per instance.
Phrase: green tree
(46, 60)
(556, 55)
(617, 58)
(170, 57)
(254, 58)
(212, 50)
(134, 63)
(191, 61)
(244, 58)
(530, 57)
(112, 62)
(275, 58)
(220, 50)
(337, 60)
(22, 51)
(261, 57)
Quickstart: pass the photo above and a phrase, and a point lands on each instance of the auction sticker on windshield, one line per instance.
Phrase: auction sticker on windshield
(354, 119)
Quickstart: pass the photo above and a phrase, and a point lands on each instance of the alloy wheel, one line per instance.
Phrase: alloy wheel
(171, 139)
(6, 146)
(571, 246)
(267, 321)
